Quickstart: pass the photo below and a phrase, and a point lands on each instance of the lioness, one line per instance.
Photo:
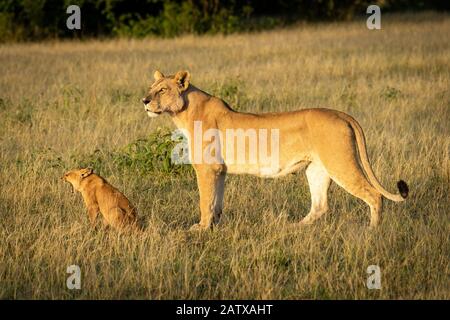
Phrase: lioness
(329, 143)
(99, 195)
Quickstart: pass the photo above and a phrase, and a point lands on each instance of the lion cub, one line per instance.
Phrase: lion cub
(99, 195)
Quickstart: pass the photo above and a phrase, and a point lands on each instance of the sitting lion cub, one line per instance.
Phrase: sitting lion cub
(99, 195)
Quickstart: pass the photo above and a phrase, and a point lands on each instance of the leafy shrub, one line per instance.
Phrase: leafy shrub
(143, 156)
(176, 18)
(130, 26)
(152, 154)
(37, 19)
(8, 30)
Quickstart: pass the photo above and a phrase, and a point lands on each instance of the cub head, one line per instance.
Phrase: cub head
(166, 93)
(74, 177)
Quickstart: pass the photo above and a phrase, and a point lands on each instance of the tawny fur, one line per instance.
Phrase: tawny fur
(329, 143)
(100, 196)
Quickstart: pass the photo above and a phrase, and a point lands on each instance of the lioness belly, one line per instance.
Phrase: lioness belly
(267, 171)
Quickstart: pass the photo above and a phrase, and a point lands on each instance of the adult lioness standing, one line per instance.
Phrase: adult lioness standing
(329, 143)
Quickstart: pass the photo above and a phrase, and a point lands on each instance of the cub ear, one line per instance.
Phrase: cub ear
(86, 172)
(158, 75)
(182, 78)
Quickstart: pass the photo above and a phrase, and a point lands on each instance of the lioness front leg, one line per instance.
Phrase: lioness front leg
(210, 181)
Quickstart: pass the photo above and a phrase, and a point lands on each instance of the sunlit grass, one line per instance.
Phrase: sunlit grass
(67, 104)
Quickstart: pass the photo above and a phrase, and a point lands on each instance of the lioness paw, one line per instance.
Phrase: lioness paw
(199, 227)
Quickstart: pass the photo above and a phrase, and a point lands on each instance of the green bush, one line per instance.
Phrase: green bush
(6, 27)
(137, 27)
(144, 156)
(150, 155)
(177, 18)
(37, 19)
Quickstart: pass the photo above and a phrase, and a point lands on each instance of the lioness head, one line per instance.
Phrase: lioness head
(166, 94)
(74, 177)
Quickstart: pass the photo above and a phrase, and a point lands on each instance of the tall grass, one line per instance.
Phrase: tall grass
(68, 104)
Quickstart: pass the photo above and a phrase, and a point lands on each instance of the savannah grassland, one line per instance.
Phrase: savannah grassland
(68, 104)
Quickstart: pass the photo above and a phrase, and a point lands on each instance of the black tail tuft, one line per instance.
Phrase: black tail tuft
(403, 188)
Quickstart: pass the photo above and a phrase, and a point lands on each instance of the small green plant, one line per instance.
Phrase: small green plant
(152, 154)
(143, 156)
(391, 93)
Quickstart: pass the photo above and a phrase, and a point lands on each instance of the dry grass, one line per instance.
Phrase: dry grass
(59, 100)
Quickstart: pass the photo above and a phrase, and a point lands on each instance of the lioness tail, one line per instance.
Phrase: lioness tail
(361, 142)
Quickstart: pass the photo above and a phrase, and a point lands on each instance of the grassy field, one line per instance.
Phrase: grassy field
(70, 104)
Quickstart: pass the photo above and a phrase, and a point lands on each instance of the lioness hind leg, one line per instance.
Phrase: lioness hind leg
(355, 183)
(341, 160)
(319, 182)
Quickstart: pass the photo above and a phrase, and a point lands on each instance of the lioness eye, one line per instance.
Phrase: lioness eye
(162, 90)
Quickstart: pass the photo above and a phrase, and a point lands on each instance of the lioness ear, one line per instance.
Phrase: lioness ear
(158, 75)
(182, 78)
(86, 172)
